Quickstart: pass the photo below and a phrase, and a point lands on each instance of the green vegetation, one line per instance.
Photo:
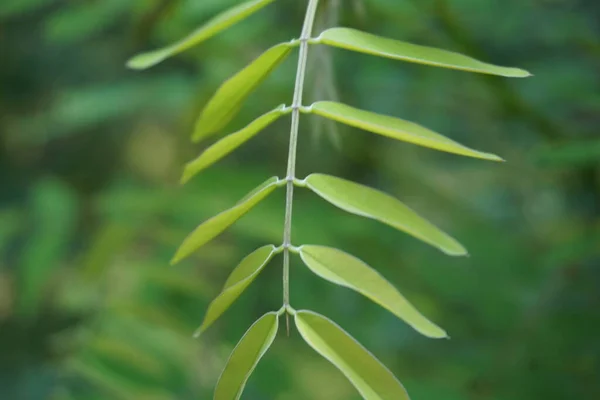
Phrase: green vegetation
(91, 213)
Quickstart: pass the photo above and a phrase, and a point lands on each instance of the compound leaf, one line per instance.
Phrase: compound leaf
(217, 224)
(229, 143)
(211, 28)
(368, 375)
(394, 128)
(228, 99)
(345, 270)
(246, 355)
(370, 203)
(241, 277)
(352, 39)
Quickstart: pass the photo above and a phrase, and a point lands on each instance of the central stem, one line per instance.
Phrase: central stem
(309, 20)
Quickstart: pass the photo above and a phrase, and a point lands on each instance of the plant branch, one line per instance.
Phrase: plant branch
(291, 167)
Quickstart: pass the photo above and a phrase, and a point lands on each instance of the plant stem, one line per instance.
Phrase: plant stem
(307, 27)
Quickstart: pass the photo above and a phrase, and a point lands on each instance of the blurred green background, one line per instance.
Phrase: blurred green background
(91, 210)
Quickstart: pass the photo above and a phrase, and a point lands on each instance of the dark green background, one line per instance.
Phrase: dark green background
(91, 211)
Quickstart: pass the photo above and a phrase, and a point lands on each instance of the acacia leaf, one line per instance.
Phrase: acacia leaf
(228, 99)
(241, 277)
(214, 226)
(245, 357)
(352, 39)
(345, 270)
(368, 375)
(217, 24)
(394, 128)
(371, 203)
(229, 143)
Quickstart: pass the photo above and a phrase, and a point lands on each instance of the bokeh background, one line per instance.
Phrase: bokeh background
(91, 209)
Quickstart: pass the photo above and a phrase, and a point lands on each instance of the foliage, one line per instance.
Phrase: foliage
(90, 152)
(365, 372)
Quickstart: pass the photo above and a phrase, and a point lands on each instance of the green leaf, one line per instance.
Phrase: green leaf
(351, 39)
(370, 203)
(368, 375)
(345, 270)
(229, 143)
(246, 355)
(211, 28)
(217, 224)
(53, 217)
(394, 128)
(241, 277)
(228, 99)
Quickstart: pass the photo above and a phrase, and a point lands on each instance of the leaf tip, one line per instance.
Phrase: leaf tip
(186, 176)
(176, 258)
(198, 332)
(521, 73)
(440, 334)
(199, 134)
(431, 331)
(457, 251)
(145, 60)
(132, 63)
(493, 157)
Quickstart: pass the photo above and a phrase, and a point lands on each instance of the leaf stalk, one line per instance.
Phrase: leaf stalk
(307, 28)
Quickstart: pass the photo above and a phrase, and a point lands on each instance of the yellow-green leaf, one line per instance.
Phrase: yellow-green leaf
(263, 186)
(394, 128)
(368, 375)
(241, 277)
(246, 355)
(229, 143)
(206, 31)
(228, 99)
(370, 203)
(352, 39)
(345, 270)
(217, 224)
